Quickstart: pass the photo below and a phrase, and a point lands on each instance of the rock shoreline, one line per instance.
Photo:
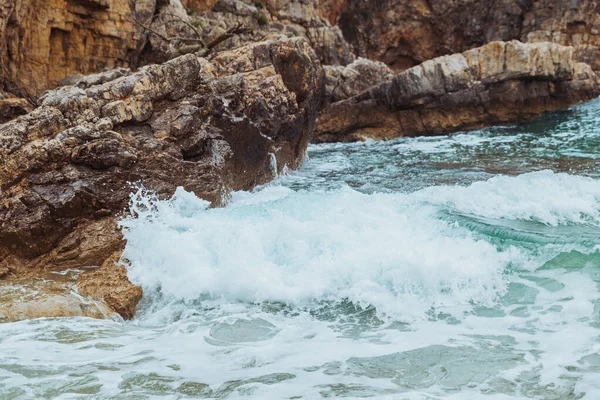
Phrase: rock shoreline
(497, 83)
(222, 95)
(209, 126)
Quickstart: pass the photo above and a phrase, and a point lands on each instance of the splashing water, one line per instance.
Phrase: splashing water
(456, 267)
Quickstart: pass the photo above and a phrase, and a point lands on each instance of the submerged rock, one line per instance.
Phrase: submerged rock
(210, 126)
(496, 83)
(47, 295)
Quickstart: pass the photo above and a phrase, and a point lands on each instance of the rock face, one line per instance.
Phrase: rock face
(43, 41)
(497, 83)
(274, 19)
(404, 33)
(211, 126)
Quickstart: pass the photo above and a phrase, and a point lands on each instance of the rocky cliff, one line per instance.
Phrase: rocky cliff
(44, 41)
(496, 83)
(211, 126)
(404, 33)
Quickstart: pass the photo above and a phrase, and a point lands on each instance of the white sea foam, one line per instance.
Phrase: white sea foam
(525, 334)
(547, 197)
(387, 250)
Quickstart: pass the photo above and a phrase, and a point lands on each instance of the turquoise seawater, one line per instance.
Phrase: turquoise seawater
(460, 267)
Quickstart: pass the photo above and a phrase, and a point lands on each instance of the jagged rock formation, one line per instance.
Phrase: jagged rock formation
(46, 41)
(497, 83)
(210, 126)
(342, 82)
(275, 19)
(405, 33)
(43, 41)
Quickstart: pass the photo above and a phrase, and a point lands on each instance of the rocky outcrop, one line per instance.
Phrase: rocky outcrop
(274, 19)
(210, 126)
(404, 33)
(236, 118)
(109, 284)
(43, 41)
(343, 82)
(497, 83)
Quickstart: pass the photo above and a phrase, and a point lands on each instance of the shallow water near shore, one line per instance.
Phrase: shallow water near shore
(459, 267)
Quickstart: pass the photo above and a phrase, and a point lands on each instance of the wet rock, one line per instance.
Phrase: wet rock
(47, 296)
(496, 83)
(109, 284)
(70, 166)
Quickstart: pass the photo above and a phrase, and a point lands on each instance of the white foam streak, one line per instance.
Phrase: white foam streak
(546, 197)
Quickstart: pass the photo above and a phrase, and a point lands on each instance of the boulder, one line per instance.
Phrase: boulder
(497, 83)
(343, 82)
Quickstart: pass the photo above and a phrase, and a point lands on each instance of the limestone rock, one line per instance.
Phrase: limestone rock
(404, 33)
(110, 285)
(497, 83)
(13, 107)
(46, 40)
(342, 82)
(215, 126)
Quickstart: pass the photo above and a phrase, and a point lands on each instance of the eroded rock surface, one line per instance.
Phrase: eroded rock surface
(404, 33)
(110, 285)
(211, 126)
(343, 82)
(497, 83)
(43, 41)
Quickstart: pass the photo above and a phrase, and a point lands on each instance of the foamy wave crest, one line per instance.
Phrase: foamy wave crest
(385, 250)
(547, 197)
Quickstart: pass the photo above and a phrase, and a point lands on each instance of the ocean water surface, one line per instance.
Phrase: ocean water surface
(451, 267)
